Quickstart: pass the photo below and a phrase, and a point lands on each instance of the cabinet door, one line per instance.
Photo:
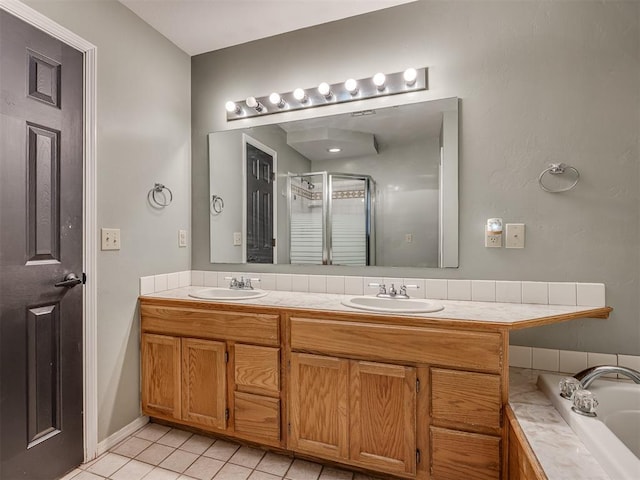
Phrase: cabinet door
(383, 416)
(204, 382)
(319, 406)
(161, 375)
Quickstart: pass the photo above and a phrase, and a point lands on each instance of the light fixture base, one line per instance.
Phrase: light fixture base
(394, 84)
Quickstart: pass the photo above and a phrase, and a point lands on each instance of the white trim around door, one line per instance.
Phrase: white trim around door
(39, 21)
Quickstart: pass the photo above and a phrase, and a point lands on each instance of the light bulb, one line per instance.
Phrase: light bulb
(232, 107)
(252, 102)
(410, 75)
(277, 100)
(379, 80)
(351, 86)
(300, 95)
(325, 89)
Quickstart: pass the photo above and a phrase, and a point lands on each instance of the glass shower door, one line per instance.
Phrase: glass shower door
(307, 212)
(349, 219)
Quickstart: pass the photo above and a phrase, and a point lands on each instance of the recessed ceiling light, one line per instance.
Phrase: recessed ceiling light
(334, 150)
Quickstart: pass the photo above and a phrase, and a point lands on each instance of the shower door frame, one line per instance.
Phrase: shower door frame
(327, 222)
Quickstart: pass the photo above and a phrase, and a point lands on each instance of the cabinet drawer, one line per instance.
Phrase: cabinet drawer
(258, 328)
(472, 399)
(465, 349)
(257, 416)
(257, 369)
(456, 455)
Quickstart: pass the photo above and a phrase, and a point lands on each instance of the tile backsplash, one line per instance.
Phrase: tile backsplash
(546, 293)
(566, 361)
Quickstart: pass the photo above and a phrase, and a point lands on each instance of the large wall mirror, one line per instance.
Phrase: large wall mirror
(365, 188)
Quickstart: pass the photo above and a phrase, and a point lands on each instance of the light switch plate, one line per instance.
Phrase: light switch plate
(514, 235)
(182, 238)
(110, 238)
(237, 238)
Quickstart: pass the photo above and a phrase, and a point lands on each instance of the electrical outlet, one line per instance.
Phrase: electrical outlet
(493, 239)
(110, 238)
(237, 238)
(408, 237)
(514, 235)
(493, 233)
(182, 238)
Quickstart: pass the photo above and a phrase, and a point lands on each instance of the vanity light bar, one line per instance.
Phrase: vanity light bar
(377, 86)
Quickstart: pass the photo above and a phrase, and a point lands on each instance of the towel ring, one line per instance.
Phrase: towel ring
(217, 204)
(558, 169)
(154, 196)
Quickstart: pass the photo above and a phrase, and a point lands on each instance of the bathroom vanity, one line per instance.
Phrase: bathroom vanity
(414, 396)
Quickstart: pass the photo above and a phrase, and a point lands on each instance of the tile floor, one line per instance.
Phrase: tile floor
(158, 452)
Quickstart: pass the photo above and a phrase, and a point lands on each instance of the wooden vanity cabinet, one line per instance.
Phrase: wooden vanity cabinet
(415, 402)
(214, 370)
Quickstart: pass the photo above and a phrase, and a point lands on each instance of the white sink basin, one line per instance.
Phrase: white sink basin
(392, 305)
(220, 293)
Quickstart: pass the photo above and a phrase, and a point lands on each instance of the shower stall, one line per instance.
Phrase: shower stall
(331, 218)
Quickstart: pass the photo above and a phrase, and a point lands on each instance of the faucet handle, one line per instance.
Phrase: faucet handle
(382, 288)
(569, 386)
(585, 403)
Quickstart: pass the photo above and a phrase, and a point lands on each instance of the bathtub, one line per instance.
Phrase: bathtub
(613, 436)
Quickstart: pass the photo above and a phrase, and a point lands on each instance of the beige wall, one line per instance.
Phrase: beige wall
(539, 82)
(143, 124)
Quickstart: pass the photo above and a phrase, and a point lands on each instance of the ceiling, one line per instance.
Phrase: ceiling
(365, 133)
(198, 26)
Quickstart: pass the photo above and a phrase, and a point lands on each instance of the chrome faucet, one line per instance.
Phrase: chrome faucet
(586, 377)
(242, 284)
(392, 292)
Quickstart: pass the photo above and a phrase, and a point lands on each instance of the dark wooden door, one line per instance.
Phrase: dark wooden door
(41, 162)
(260, 177)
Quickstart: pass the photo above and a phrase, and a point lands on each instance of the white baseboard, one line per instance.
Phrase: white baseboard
(124, 432)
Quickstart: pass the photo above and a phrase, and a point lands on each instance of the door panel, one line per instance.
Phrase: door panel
(259, 205)
(383, 424)
(41, 167)
(319, 405)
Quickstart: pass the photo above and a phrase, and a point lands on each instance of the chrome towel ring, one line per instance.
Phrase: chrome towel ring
(217, 204)
(157, 196)
(558, 169)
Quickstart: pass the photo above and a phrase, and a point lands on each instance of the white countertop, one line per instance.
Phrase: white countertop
(490, 312)
(559, 450)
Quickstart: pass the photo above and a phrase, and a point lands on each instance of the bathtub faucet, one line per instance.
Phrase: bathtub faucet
(586, 377)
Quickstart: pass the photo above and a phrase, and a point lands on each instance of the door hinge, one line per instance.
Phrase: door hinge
(84, 278)
(273, 242)
(273, 176)
(417, 455)
(226, 414)
(226, 357)
(417, 385)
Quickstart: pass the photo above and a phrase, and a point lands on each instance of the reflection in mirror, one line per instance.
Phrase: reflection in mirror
(376, 187)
